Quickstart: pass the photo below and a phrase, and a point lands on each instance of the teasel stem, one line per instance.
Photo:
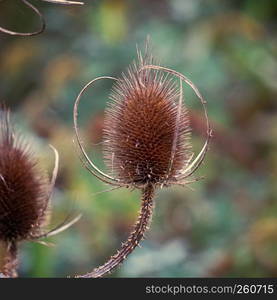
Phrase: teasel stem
(11, 260)
(140, 228)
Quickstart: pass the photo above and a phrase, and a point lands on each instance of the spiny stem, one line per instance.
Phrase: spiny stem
(135, 237)
(10, 261)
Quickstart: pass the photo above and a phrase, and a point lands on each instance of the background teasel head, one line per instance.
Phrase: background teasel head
(39, 14)
(25, 192)
(146, 139)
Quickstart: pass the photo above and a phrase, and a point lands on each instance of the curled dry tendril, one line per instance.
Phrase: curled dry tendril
(39, 14)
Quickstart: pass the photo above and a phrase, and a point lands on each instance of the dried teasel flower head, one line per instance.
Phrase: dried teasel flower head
(146, 139)
(25, 192)
(146, 132)
(39, 14)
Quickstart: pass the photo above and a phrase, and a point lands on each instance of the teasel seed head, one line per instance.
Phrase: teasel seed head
(24, 190)
(146, 140)
(140, 128)
(25, 193)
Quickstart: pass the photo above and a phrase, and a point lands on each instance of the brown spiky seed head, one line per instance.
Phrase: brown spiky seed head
(23, 188)
(144, 141)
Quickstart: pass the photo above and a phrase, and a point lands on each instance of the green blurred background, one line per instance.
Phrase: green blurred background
(227, 225)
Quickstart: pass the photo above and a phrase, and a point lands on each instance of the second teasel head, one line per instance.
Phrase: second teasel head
(25, 192)
(24, 189)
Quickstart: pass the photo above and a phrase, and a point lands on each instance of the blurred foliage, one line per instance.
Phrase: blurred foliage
(227, 225)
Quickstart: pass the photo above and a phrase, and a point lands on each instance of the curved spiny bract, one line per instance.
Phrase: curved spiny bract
(140, 128)
(135, 237)
(189, 167)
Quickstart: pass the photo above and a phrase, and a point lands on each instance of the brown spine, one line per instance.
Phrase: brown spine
(135, 237)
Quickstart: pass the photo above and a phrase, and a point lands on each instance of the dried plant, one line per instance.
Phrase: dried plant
(37, 12)
(25, 192)
(146, 140)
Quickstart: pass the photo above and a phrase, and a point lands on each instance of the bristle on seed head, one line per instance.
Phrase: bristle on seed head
(144, 125)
